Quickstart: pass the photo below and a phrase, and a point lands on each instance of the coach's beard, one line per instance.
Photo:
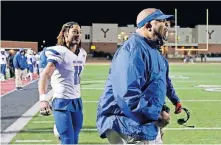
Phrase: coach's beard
(161, 39)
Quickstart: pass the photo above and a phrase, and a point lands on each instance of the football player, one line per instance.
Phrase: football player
(65, 63)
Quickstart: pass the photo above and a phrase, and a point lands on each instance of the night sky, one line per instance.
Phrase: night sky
(38, 21)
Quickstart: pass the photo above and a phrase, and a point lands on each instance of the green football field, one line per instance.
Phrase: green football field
(197, 85)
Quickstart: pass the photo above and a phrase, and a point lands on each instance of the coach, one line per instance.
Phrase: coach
(130, 109)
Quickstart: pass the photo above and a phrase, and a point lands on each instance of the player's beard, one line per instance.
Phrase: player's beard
(72, 44)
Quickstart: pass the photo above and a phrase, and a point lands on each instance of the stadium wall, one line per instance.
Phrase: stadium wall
(19, 44)
(86, 37)
(214, 34)
(106, 37)
(212, 48)
(86, 46)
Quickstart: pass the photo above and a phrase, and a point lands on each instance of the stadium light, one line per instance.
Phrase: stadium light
(125, 37)
(122, 33)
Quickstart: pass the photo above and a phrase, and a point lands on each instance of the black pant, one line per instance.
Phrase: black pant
(12, 72)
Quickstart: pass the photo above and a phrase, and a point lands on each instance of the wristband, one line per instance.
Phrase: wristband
(43, 97)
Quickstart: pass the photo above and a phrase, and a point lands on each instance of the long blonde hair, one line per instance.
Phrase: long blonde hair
(65, 28)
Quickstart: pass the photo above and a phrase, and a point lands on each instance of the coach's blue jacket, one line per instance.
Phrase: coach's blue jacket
(135, 90)
(20, 61)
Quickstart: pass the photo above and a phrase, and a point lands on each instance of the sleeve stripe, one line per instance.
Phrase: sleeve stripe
(53, 61)
(53, 51)
(56, 57)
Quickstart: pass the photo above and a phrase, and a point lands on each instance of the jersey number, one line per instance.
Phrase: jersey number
(77, 72)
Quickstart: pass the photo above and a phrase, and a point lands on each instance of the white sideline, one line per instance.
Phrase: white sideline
(16, 90)
(21, 122)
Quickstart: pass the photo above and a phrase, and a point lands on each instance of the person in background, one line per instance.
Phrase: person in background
(20, 64)
(30, 61)
(43, 60)
(37, 58)
(11, 66)
(3, 63)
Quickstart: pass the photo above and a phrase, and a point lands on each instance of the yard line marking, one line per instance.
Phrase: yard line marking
(190, 81)
(173, 79)
(101, 63)
(91, 81)
(188, 88)
(92, 88)
(199, 74)
(95, 129)
(199, 128)
(42, 122)
(90, 101)
(33, 141)
(199, 100)
(169, 101)
(20, 123)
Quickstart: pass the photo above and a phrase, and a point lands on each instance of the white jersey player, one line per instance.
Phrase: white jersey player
(65, 80)
(30, 61)
(3, 63)
(37, 58)
(65, 63)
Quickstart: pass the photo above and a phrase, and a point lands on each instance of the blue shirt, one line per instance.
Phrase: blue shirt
(20, 61)
(43, 59)
(135, 90)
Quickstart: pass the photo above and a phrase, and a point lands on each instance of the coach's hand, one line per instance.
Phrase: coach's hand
(178, 108)
(45, 108)
(163, 120)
